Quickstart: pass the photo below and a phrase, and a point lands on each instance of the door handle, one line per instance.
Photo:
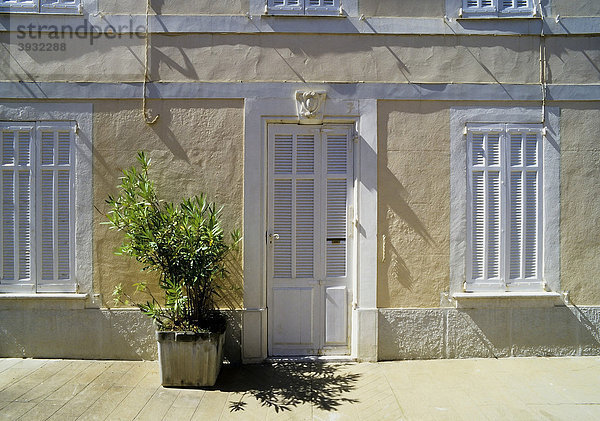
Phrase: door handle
(273, 237)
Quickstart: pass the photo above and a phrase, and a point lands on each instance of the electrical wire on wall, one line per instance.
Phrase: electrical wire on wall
(145, 111)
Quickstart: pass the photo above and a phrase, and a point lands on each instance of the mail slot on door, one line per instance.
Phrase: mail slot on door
(336, 240)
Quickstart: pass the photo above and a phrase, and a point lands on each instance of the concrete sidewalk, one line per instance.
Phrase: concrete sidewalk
(477, 389)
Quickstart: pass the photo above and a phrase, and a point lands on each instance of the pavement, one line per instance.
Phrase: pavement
(566, 388)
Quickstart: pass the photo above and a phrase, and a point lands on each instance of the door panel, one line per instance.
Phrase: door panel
(310, 190)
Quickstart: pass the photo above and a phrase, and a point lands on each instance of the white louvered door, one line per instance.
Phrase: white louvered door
(310, 193)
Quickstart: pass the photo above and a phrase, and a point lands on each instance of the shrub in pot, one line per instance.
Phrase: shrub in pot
(186, 245)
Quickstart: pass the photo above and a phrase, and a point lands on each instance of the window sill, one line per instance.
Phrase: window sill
(50, 301)
(507, 299)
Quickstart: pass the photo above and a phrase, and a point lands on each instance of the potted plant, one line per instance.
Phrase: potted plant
(186, 245)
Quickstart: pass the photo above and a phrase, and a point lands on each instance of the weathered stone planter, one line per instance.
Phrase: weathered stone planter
(189, 359)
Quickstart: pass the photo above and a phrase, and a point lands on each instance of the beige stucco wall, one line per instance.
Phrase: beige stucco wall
(283, 57)
(297, 57)
(404, 8)
(575, 7)
(573, 59)
(195, 146)
(580, 202)
(175, 7)
(414, 203)
(305, 57)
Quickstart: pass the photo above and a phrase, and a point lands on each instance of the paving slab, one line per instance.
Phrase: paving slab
(563, 388)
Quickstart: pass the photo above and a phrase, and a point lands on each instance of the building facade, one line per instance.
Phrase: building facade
(413, 179)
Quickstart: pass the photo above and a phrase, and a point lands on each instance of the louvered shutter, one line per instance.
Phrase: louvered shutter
(516, 6)
(15, 204)
(480, 6)
(524, 205)
(336, 193)
(485, 186)
(282, 7)
(59, 6)
(20, 6)
(322, 7)
(55, 222)
(294, 204)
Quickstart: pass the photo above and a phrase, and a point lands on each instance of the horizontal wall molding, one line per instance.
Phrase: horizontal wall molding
(342, 91)
(253, 24)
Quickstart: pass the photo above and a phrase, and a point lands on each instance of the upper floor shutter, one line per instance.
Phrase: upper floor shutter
(300, 7)
(59, 6)
(516, 6)
(15, 207)
(285, 6)
(21, 6)
(322, 7)
(480, 6)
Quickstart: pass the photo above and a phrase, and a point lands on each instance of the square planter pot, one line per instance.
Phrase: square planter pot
(189, 359)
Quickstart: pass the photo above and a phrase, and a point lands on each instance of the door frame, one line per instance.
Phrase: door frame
(259, 112)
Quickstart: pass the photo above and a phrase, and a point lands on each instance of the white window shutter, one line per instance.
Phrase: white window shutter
(322, 7)
(16, 225)
(282, 7)
(525, 206)
(55, 208)
(20, 6)
(486, 203)
(516, 6)
(480, 6)
(60, 6)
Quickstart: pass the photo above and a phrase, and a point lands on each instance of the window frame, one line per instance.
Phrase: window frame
(36, 168)
(80, 114)
(460, 116)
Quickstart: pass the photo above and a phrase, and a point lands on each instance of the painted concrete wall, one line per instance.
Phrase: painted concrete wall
(175, 7)
(488, 332)
(410, 8)
(56, 331)
(287, 57)
(575, 7)
(307, 57)
(580, 202)
(196, 146)
(414, 203)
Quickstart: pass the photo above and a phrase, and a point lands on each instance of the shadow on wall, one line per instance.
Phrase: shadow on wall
(406, 189)
(286, 385)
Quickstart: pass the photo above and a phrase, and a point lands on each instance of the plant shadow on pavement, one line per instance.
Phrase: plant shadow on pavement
(283, 385)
